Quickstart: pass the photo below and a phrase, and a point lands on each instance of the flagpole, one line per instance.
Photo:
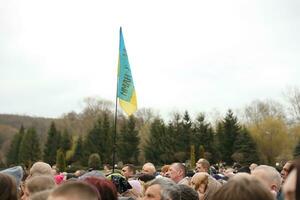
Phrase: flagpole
(116, 112)
(115, 131)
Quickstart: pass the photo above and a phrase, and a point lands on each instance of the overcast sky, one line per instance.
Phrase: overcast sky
(195, 55)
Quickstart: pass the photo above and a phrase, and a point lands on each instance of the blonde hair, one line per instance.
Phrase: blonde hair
(243, 187)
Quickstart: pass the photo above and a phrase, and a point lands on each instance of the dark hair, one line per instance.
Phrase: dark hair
(188, 193)
(106, 188)
(146, 177)
(8, 188)
(131, 167)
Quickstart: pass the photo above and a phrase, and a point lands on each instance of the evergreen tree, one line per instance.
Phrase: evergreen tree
(297, 150)
(92, 143)
(231, 130)
(30, 151)
(52, 145)
(128, 142)
(61, 160)
(13, 153)
(78, 153)
(245, 146)
(154, 145)
(203, 135)
(186, 135)
(66, 142)
(106, 139)
(180, 149)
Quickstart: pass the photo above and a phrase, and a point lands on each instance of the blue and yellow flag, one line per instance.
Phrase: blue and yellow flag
(126, 92)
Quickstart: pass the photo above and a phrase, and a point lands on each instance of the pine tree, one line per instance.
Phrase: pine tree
(52, 145)
(13, 153)
(107, 139)
(231, 130)
(92, 143)
(61, 160)
(154, 145)
(30, 151)
(297, 150)
(180, 149)
(78, 153)
(245, 146)
(66, 142)
(203, 135)
(128, 142)
(186, 135)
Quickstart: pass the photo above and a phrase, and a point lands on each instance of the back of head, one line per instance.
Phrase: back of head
(181, 168)
(187, 193)
(149, 168)
(74, 190)
(8, 188)
(169, 190)
(199, 179)
(40, 168)
(243, 187)
(42, 195)
(269, 176)
(106, 188)
(39, 183)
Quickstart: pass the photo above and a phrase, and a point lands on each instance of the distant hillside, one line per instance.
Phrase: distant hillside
(10, 125)
(15, 121)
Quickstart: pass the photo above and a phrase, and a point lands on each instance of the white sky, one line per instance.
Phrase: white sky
(195, 55)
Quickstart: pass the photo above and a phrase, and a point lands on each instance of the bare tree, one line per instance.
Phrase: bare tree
(293, 97)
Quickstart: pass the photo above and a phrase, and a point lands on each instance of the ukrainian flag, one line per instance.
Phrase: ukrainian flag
(126, 92)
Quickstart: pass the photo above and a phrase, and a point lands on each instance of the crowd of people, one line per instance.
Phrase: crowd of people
(171, 182)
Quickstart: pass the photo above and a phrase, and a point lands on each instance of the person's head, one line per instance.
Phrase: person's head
(40, 168)
(253, 166)
(202, 165)
(199, 182)
(106, 188)
(269, 176)
(8, 187)
(162, 189)
(243, 187)
(36, 184)
(164, 169)
(176, 172)
(128, 171)
(74, 190)
(229, 173)
(286, 170)
(16, 172)
(42, 195)
(187, 193)
(291, 187)
(149, 168)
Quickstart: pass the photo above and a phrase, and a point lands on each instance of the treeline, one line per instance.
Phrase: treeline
(263, 132)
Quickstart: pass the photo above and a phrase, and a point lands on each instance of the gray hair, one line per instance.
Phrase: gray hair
(271, 174)
(168, 189)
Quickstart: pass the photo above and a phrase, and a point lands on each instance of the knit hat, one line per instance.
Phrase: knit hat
(16, 172)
